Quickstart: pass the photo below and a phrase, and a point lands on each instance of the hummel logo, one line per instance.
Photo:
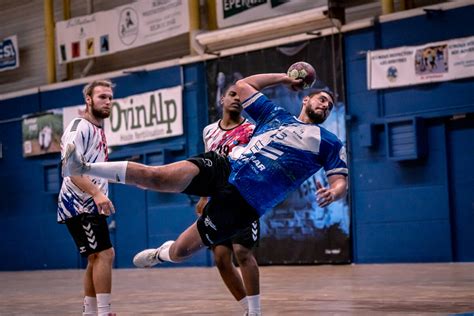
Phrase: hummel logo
(255, 231)
(82, 249)
(90, 236)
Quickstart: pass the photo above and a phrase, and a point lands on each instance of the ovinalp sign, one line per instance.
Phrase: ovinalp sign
(140, 117)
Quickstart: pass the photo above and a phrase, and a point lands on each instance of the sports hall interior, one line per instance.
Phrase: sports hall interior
(409, 245)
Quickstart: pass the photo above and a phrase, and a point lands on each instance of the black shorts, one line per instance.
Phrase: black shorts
(90, 233)
(248, 237)
(227, 212)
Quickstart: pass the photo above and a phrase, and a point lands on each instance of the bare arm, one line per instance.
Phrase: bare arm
(201, 204)
(337, 190)
(250, 85)
(103, 203)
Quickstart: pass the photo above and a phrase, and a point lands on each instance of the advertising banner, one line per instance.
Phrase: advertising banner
(297, 231)
(9, 53)
(411, 65)
(141, 117)
(42, 133)
(128, 26)
(232, 12)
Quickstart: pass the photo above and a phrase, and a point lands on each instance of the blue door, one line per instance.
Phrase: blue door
(460, 136)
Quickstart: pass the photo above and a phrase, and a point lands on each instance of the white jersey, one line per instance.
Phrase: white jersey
(90, 142)
(223, 141)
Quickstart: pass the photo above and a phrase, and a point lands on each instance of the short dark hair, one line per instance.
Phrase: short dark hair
(227, 87)
(323, 89)
(89, 88)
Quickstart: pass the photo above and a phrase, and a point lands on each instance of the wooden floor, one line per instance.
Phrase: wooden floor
(416, 289)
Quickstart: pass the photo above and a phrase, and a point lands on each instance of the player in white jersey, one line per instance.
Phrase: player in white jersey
(83, 204)
(222, 137)
(283, 152)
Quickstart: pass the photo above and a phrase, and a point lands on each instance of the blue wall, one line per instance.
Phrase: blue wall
(31, 238)
(403, 211)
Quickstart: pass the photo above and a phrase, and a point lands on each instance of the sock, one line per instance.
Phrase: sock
(165, 251)
(244, 303)
(114, 170)
(103, 304)
(254, 304)
(90, 306)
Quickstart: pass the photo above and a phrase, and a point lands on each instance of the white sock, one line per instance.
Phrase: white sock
(114, 170)
(165, 251)
(90, 306)
(254, 304)
(103, 304)
(244, 303)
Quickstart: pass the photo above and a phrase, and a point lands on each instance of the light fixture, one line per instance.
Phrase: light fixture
(291, 24)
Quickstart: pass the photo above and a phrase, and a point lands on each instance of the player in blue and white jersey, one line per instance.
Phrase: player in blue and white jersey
(83, 204)
(284, 151)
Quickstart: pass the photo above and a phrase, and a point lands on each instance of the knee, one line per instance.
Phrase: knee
(244, 256)
(107, 255)
(222, 262)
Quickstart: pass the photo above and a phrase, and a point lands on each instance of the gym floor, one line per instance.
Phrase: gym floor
(408, 289)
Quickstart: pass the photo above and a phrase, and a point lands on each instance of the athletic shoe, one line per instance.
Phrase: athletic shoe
(147, 258)
(72, 163)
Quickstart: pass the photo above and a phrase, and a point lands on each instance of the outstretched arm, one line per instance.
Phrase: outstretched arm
(337, 190)
(250, 85)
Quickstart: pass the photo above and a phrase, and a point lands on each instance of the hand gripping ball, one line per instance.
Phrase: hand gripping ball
(302, 70)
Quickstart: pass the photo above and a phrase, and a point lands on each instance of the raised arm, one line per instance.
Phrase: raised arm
(250, 85)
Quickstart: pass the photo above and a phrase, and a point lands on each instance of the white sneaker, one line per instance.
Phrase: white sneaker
(147, 258)
(72, 163)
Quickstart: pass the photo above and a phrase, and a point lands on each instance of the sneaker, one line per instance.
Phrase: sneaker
(72, 163)
(147, 258)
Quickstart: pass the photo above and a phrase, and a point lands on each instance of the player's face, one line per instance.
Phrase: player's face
(318, 107)
(101, 102)
(231, 101)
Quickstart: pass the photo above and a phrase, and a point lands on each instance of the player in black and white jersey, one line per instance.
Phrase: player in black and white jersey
(222, 137)
(83, 204)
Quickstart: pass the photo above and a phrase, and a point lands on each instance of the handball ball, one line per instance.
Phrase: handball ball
(302, 70)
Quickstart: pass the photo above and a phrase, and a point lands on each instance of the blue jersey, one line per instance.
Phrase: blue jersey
(281, 155)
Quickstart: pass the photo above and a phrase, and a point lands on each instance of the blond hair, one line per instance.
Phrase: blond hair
(89, 88)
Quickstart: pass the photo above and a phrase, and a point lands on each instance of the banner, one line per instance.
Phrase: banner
(128, 26)
(9, 53)
(42, 133)
(297, 231)
(410, 65)
(141, 117)
(234, 12)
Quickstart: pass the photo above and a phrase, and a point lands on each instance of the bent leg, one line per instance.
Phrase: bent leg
(248, 268)
(185, 245)
(229, 273)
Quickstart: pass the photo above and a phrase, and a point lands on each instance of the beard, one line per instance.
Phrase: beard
(315, 117)
(101, 114)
